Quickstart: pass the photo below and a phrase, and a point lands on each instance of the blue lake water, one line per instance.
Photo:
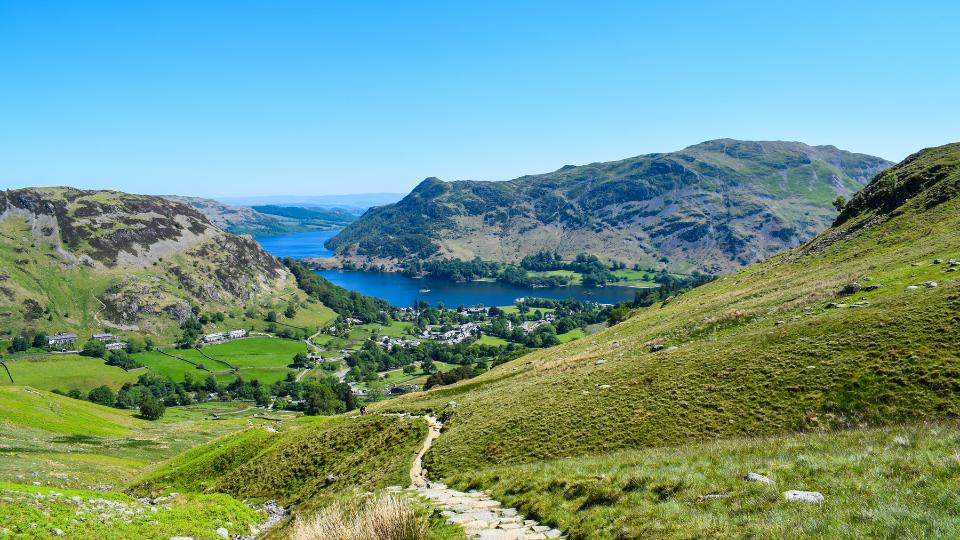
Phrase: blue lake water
(298, 245)
(403, 291)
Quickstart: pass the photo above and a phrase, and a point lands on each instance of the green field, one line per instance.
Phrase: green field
(67, 372)
(636, 278)
(171, 367)
(576, 278)
(571, 335)
(264, 359)
(491, 340)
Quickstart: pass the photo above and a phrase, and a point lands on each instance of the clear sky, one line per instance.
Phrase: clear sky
(278, 97)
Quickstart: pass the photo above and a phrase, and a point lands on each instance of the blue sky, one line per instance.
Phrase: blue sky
(258, 98)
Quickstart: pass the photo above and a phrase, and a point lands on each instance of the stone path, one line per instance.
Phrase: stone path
(475, 512)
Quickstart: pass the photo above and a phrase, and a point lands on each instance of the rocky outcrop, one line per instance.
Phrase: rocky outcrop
(146, 257)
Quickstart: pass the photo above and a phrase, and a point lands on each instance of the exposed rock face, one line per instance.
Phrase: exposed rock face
(713, 206)
(133, 257)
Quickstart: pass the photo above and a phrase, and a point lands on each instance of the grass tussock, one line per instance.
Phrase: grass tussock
(384, 517)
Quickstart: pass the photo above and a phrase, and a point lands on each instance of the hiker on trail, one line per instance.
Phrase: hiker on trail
(363, 410)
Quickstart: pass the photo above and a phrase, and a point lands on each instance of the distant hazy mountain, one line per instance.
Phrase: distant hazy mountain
(267, 220)
(357, 203)
(714, 206)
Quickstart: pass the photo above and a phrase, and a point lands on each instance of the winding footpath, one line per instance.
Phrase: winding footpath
(480, 516)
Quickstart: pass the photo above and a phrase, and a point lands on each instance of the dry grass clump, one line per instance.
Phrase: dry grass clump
(385, 517)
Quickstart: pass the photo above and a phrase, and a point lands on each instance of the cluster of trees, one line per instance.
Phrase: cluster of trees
(345, 303)
(371, 359)
(453, 269)
(450, 377)
(152, 393)
(119, 358)
(22, 342)
(460, 271)
(670, 285)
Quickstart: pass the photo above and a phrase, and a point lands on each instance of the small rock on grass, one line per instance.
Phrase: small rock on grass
(796, 495)
(755, 477)
(223, 532)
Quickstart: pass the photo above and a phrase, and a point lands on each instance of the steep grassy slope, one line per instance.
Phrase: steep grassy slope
(713, 206)
(879, 483)
(73, 260)
(758, 352)
(293, 464)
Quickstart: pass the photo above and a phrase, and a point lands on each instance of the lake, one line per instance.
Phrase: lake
(403, 291)
(298, 245)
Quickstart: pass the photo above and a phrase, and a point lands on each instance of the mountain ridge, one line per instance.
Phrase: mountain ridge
(714, 206)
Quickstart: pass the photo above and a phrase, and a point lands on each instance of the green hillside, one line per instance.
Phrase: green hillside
(759, 352)
(305, 463)
(715, 206)
(63, 458)
(87, 261)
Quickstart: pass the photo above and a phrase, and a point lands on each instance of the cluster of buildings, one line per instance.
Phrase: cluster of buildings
(62, 340)
(388, 342)
(454, 336)
(218, 337)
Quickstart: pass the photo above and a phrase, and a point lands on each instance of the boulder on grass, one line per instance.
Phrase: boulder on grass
(810, 497)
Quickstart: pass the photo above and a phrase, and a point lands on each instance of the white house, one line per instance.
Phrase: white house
(235, 334)
(213, 338)
(62, 340)
(116, 346)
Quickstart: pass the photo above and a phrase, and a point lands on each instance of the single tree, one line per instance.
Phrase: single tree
(839, 203)
(94, 347)
(151, 408)
(102, 395)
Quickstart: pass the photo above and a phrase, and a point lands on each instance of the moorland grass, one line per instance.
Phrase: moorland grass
(897, 482)
(28, 511)
(292, 465)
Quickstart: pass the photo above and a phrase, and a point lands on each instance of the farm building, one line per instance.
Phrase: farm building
(62, 340)
(105, 338)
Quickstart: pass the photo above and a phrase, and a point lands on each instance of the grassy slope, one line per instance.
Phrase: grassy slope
(105, 515)
(65, 442)
(881, 483)
(363, 453)
(735, 371)
(73, 453)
